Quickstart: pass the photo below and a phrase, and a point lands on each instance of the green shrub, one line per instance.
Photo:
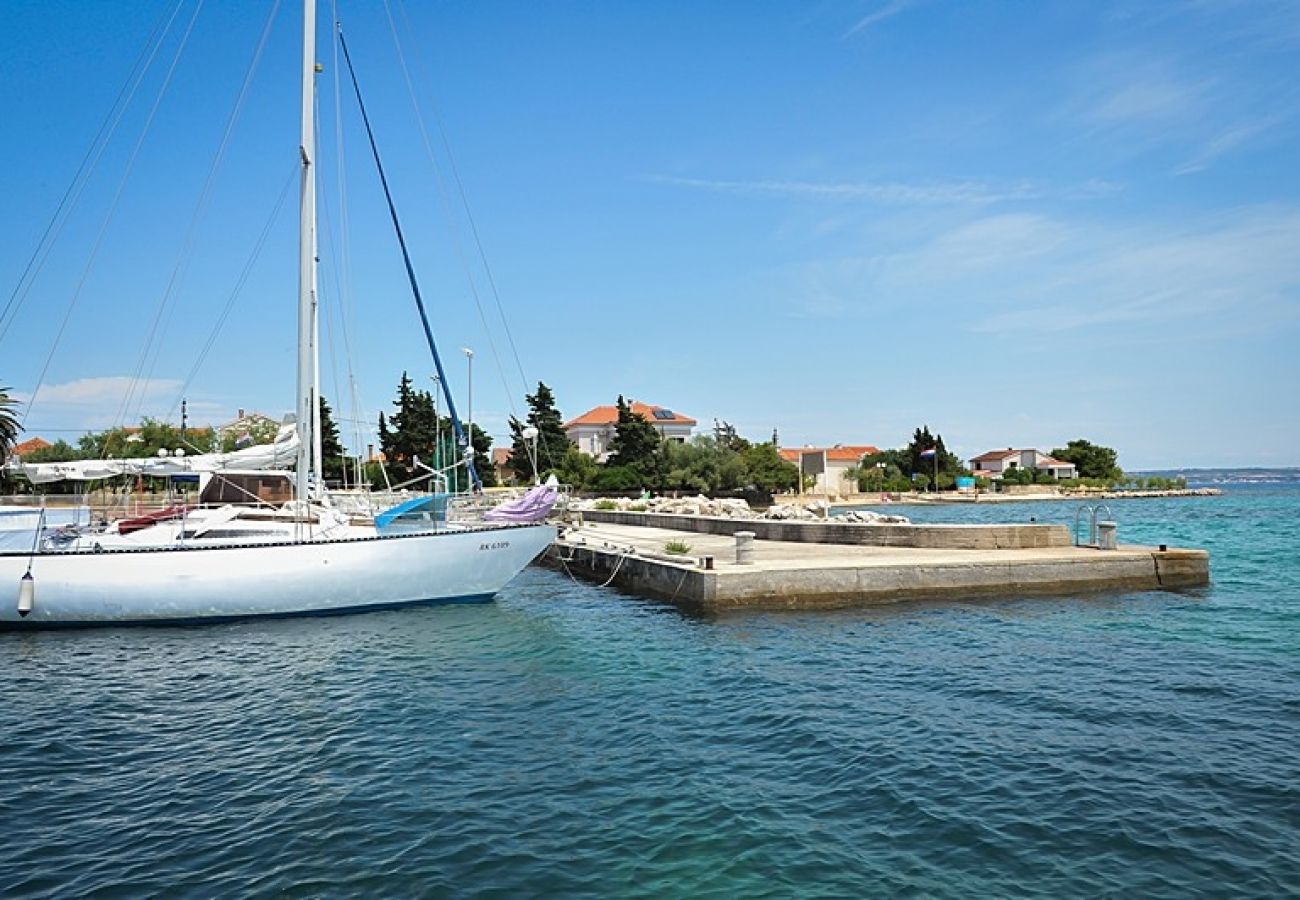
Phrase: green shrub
(677, 548)
(605, 504)
(617, 478)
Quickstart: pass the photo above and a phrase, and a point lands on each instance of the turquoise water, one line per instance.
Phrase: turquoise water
(572, 740)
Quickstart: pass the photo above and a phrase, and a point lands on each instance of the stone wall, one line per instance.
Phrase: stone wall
(933, 537)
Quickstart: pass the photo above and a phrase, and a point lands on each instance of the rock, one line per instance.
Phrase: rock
(867, 517)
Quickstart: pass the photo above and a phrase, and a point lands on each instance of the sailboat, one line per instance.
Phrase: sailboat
(305, 557)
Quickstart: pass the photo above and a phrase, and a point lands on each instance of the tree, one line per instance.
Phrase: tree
(922, 440)
(576, 469)
(259, 432)
(635, 442)
(409, 431)
(333, 453)
(768, 471)
(618, 478)
(482, 443)
(724, 433)
(883, 471)
(552, 443)
(9, 424)
(1092, 460)
(151, 436)
(701, 465)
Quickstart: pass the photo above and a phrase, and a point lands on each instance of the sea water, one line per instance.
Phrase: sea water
(573, 740)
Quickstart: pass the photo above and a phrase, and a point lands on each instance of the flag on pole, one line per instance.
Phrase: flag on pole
(928, 454)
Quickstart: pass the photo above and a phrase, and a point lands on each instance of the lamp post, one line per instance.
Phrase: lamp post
(529, 435)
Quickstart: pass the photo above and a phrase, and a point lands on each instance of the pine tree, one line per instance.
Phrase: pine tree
(635, 441)
(408, 432)
(552, 443)
(333, 453)
(946, 463)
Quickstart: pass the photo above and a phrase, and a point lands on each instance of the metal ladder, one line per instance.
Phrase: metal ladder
(1093, 513)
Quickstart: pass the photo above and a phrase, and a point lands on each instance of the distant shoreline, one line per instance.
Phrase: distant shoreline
(955, 499)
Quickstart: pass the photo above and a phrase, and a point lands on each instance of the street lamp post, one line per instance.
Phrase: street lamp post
(529, 435)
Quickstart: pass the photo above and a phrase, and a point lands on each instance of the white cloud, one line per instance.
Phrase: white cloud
(1134, 90)
(886, 11)
(103, 391)
(1222, 143)
(969, 192)
(1018, 274)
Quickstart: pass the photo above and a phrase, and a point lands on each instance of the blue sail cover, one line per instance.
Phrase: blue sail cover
(423, 511)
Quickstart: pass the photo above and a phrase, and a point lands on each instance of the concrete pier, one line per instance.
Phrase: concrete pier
(782, 574)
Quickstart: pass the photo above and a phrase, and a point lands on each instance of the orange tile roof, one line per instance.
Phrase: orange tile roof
(30, 446)
(608, 415)
(839, 453)
(851, 453)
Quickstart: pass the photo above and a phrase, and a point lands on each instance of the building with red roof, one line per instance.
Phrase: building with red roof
(994, 463)
(829, 466)
(30, 446)
(593, 431)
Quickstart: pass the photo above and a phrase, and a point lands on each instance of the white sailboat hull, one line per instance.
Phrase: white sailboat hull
(193, 584)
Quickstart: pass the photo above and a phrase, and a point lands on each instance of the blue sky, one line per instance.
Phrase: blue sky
(1018, 223)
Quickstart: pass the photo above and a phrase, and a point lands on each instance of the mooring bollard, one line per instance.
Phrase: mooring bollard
(1106, 536)
(706, 563)
(744, 548)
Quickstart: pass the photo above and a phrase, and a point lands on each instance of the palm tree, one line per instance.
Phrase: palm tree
(9, 426)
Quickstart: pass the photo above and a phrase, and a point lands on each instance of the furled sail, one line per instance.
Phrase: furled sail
(280, 454)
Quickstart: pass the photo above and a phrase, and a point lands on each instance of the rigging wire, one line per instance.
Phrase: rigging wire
(461, 440)
(240, 282)
(112, 210)
(446, 205)
(322, 296)
(345, 244)
(157, 331)
(469, 218)
(89, 162)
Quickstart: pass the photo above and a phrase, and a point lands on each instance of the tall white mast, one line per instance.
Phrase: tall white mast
(308, 389)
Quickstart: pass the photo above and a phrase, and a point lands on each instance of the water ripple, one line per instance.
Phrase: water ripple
(571, 740)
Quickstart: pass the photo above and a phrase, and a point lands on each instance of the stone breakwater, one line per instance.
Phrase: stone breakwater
(817, 510)
(1127, 495)
(756, 564)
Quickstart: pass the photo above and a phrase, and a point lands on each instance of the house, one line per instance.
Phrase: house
(829, 466)
(994, 463)
(30, 446)
(593, 431)
(501, 465)
(250, 424)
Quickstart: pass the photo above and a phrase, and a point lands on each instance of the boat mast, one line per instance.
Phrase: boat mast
(308, 387)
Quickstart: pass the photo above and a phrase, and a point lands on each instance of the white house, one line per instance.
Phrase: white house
(593, 431)
(247, 426)
(829, 465)
(994, 463)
